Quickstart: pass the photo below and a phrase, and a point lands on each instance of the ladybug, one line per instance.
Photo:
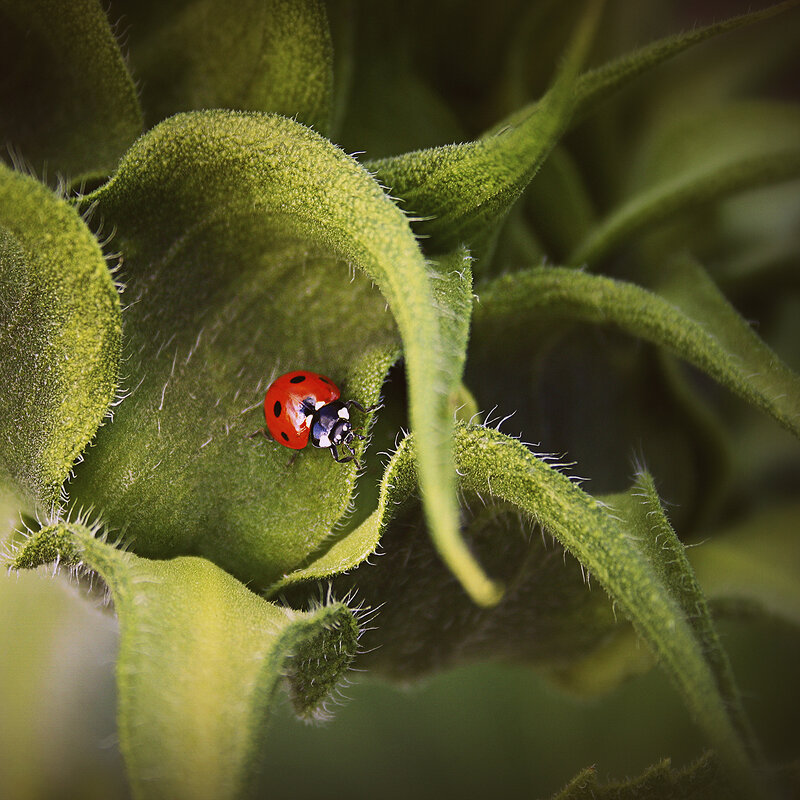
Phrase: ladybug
(300, 406)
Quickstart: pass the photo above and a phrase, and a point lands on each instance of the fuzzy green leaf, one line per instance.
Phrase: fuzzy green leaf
(247, 55)
(229, 223)
(494, 465)
(490, 460)
(67, 101)
(452, 283)
(620, 553)
(643, 517)
(462, 191)
(688, 316)
(200, 661)
(59, 338)
(754, 566)
(699, 160)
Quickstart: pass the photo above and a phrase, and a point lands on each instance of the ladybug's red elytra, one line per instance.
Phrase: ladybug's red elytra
(303, 405)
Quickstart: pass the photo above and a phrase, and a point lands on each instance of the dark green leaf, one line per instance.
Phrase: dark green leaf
(689, 317)
(248, 55)
(644, 518)
(618, 552)
(59, 338)
(462, 191)
(596, 85)
(67, 101)
(697, 160)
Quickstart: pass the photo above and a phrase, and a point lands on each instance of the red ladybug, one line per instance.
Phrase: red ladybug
(303, 405)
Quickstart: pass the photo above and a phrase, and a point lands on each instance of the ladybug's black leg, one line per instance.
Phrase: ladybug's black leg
(353, 454)
(337, 457)
(361, 408)
(261, 431)
(293, 458)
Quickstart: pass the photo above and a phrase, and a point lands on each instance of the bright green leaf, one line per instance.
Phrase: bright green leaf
(452, 284)
(228, 222)
(200, 661)
(67, 101)
(59, 337)
(688, 316)
(247, 55)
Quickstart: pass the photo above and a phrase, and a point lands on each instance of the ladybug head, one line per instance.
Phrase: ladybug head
(331, 426)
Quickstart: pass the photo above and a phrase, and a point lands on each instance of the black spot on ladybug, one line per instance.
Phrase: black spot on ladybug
(284, 436)
(277, 408)
(297, 379)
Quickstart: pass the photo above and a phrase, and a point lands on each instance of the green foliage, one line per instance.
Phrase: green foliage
(249, 244)
(59, 335)
(67, 100)
(249, 56)
(197, 732)
(687, 315)
(703, 780)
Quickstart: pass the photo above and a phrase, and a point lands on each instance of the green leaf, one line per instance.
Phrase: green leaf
(452, 283)
(351, 549)
(754, 565)
(688, 316)
(461, 192)
(606, 547)
(201, 659)
(644, 518)
(621, 553)
(703, 780)
(67, 101)
(698, 160)
(247, 55)
(228, 223)
(598, 84)
(60, 338)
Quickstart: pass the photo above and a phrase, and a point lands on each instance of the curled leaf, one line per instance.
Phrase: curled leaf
(688, 316)
(59, 337)
(201, 659)
(232, 225)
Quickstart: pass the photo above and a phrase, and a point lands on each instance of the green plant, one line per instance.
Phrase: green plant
(166, 278)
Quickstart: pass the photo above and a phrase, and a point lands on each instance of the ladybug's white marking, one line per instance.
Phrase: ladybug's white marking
(344, 413)
(324, 441)
(307, 420)
(318, 405)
